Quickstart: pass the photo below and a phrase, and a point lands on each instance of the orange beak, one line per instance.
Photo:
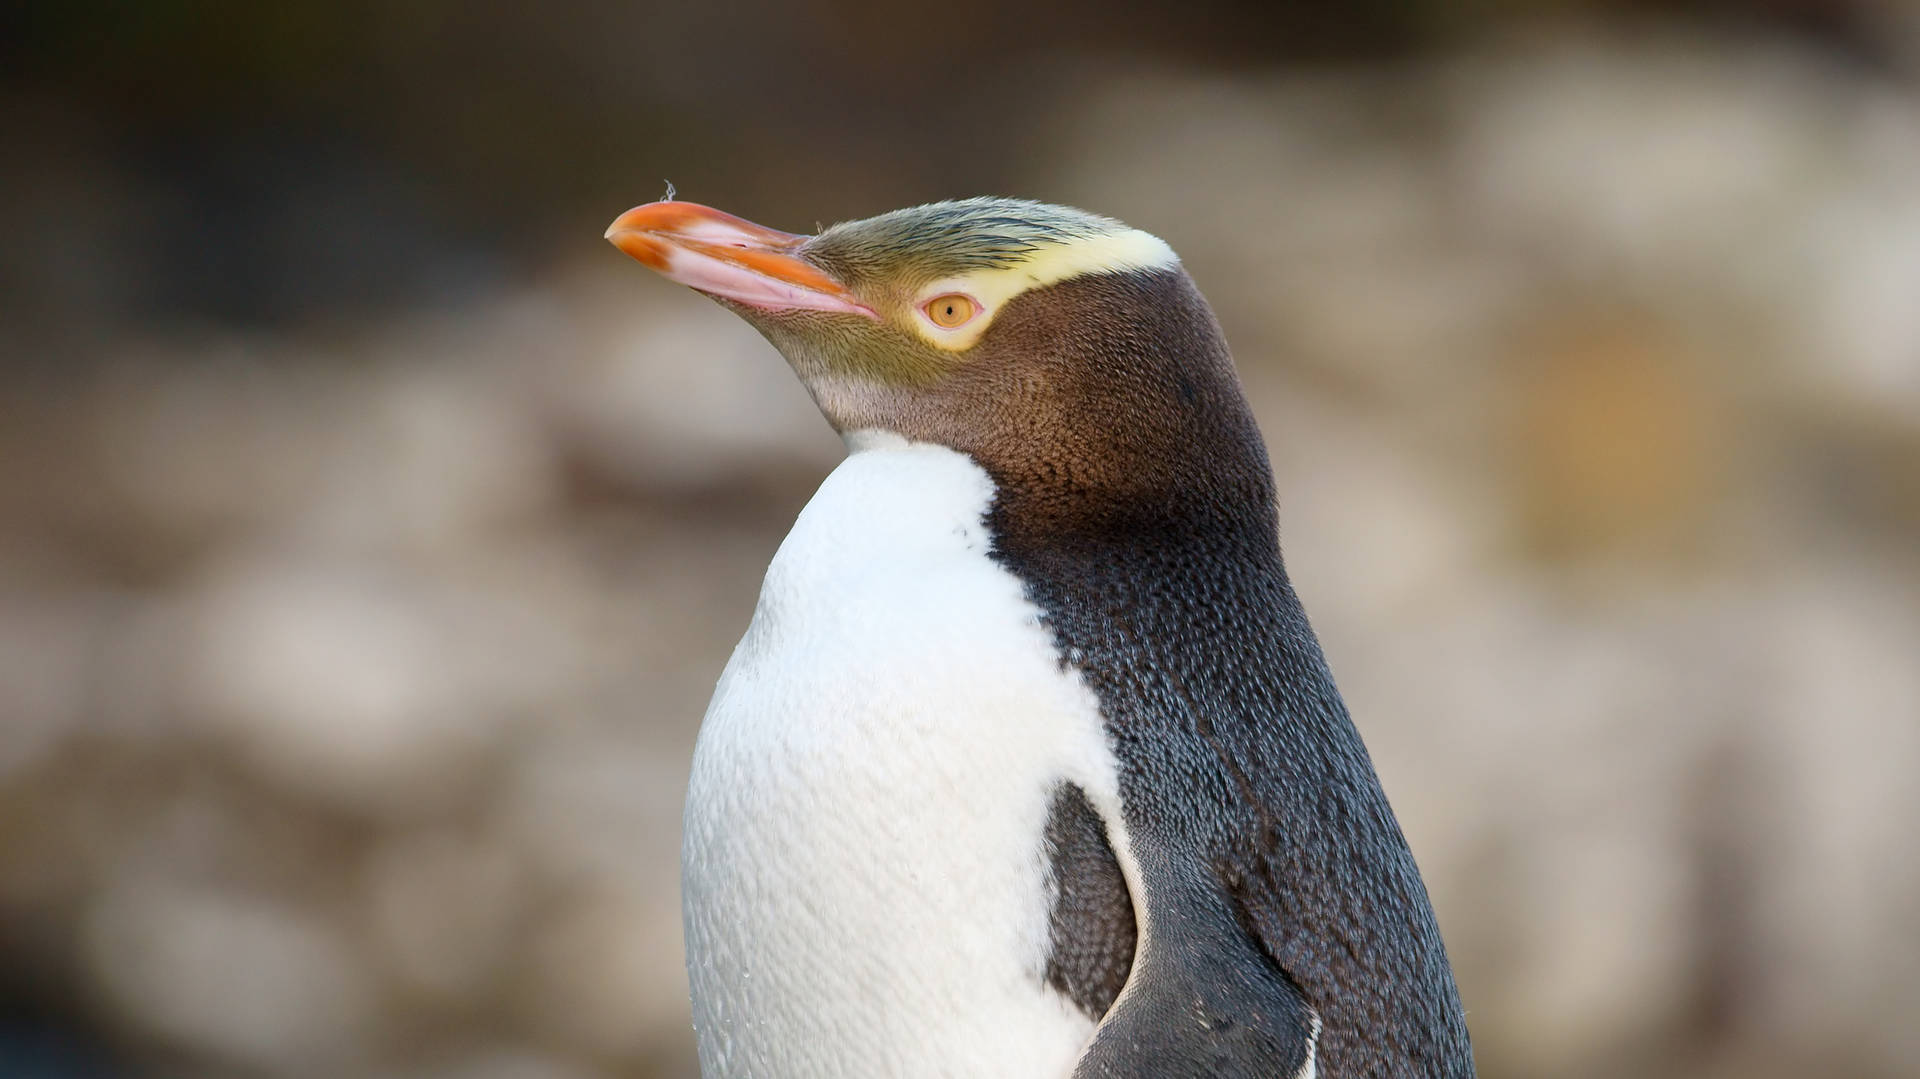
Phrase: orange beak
(729, 258)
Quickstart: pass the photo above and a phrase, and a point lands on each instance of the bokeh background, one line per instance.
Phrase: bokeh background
(371, 533)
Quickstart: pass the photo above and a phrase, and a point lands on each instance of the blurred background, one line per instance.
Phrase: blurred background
(371, 533)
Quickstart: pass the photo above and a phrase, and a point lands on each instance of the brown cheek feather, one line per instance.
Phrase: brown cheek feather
(1098, 402)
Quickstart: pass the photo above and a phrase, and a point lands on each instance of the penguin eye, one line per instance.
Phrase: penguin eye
(950, 310)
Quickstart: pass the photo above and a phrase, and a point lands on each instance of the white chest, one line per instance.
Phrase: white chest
(866, 887)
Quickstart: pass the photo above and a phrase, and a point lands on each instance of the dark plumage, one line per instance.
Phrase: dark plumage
(1144, 523)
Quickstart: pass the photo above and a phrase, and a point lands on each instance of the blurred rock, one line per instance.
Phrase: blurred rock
(347, 682)
(1836, 896)
(444, 909)
(434, 457)
(1615, 443)
(47, 644)
(231, 975)
(681, 394)
(1642, 161)
(499, 1063)
(598, 804)
(1857, 264)
(608, 978)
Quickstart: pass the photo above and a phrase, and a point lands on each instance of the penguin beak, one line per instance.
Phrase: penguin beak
(729, 258)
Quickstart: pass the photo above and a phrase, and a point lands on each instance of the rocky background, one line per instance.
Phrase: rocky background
(371, 534)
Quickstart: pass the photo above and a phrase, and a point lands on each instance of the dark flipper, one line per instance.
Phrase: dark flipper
(1205, 1001)
(1092, 926)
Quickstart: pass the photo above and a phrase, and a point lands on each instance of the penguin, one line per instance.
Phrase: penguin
(1028, 763)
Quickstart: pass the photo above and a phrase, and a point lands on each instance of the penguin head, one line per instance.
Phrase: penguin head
(1054, 346)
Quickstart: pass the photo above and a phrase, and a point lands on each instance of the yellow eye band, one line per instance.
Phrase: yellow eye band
(960, 308)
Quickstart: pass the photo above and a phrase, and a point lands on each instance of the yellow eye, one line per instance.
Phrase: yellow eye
(950, 310)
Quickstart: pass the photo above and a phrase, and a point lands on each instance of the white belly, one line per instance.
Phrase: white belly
(866, 888)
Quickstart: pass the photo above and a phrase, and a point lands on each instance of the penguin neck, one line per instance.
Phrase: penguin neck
(1189, 572)
(1134, 429)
